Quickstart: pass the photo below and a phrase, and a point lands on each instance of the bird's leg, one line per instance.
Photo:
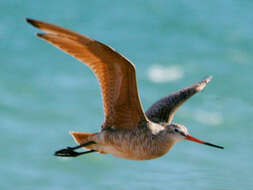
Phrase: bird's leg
(69, 151)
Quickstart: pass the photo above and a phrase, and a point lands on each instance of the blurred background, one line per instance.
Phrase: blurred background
(46, 93)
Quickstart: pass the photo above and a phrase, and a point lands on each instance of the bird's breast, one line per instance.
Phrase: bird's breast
(138, 144)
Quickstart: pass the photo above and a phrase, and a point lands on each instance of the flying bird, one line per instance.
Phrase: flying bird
(127, 131)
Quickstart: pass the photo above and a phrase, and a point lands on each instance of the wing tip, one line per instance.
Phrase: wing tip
(35, 23)
(208, 79)
(32, 22)
(40, 35)
(202, 84)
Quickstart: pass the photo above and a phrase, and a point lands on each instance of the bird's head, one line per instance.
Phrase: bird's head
(179, 132)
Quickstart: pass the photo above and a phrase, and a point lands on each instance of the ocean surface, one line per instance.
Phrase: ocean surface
(45, 93)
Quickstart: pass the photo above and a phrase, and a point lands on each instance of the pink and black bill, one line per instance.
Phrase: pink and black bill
(190, 138)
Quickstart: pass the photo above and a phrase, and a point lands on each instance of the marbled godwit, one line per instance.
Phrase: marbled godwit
(127, 132)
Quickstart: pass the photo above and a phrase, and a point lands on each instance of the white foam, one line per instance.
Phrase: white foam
(208, 118)
(158, 73)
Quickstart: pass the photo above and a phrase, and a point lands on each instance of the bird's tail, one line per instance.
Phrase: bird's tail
(81, 137)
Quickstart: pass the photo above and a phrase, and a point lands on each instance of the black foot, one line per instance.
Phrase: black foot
(69, 152)
(66, 152)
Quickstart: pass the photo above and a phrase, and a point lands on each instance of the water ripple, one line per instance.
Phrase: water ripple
(208, 118)
(158, 73)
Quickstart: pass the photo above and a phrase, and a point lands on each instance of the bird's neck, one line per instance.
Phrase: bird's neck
(156, 128)
(161, 135)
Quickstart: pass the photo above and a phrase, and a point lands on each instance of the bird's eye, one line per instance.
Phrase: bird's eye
(176, 130)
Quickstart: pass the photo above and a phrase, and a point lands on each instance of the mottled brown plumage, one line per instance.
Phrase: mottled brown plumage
(127, 132)
(115, 73)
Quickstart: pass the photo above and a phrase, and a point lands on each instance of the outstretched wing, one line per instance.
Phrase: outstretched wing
(164, 109)
(115, 73)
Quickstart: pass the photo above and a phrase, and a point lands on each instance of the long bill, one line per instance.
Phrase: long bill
(190, 138)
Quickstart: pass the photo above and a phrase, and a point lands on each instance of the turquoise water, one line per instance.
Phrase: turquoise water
(45, 93)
